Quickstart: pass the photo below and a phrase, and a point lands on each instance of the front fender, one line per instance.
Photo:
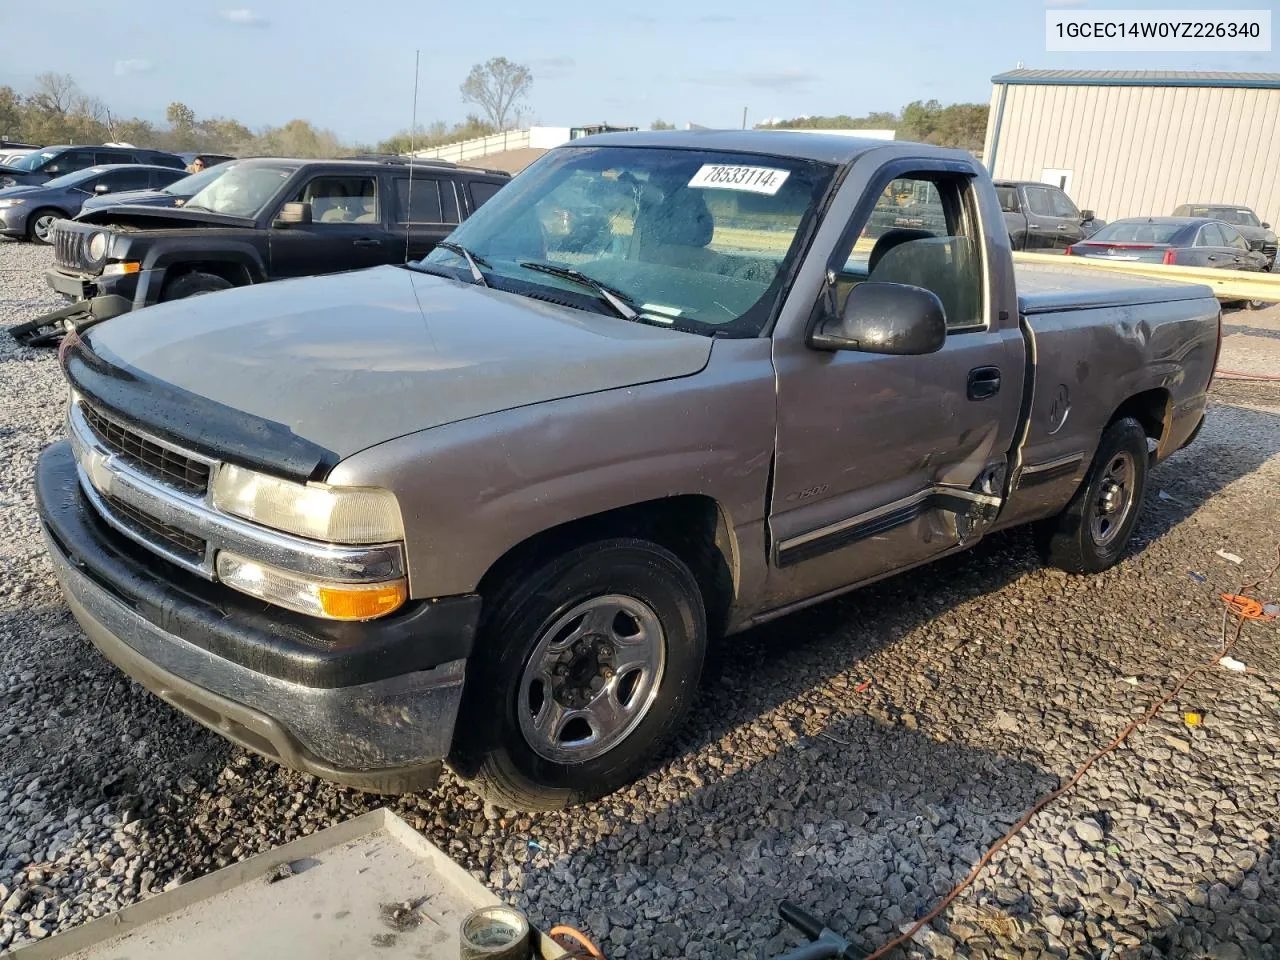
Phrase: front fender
(470, 491)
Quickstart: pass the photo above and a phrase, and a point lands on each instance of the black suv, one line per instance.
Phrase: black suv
(49, 162)
(263, 219)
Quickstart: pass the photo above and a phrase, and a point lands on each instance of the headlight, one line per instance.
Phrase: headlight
(335, 601)
(97, 246)
(313, 510)
(11, 201)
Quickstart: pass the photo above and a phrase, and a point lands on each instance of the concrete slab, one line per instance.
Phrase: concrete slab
(368, 888)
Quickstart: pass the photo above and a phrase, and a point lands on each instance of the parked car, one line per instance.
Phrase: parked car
(1185, 241)
(7, 156)
(1258, 233)
(49, 162)
(174, 195)
(208, 159)
(262, 219)
(31, 211)
(1041, 216)
(490, 506)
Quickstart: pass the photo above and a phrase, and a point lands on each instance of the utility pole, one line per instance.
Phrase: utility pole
(744, 118)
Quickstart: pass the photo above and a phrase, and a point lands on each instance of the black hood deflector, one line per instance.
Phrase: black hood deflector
(188, 420)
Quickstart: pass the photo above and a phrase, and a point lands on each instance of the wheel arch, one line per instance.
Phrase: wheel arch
(695, 527)
(1153, 409)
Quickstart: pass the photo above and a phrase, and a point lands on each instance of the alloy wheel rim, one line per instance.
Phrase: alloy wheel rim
(592, 678)
(43, 225)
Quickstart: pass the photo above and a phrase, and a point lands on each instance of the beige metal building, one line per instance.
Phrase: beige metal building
(1139, 142)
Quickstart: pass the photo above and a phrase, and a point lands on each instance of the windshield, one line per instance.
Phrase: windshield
(696, 240)
(1240, 216)
(33, 160)
(240, 191)
(190, 186)
(1137, 231)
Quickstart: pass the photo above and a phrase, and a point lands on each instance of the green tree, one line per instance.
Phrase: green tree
(496, 87)
(10, 114)
(661, 125)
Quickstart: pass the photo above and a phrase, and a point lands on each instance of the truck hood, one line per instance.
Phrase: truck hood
(1255, 233)
(350, 360)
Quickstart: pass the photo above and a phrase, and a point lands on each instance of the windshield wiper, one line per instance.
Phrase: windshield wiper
(472, 260)
(615, 298)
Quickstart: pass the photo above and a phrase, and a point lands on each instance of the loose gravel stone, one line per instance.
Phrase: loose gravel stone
(857, 758)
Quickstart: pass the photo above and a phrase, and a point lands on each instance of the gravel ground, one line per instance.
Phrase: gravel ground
(857, 758)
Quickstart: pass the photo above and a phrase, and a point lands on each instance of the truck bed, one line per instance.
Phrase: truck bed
(1044, 288)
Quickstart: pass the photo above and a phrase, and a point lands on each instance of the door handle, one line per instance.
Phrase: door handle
(984, 382)
(1212, 256)
(1034, 226)
(1064, 226)
(367, 242)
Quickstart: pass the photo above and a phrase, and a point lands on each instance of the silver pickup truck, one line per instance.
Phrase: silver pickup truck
(490, 508)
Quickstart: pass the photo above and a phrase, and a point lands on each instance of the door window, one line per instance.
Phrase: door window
(162, 178)
(1211, 236)
(1039, 202)
(923, 232)
(1232, 237)
(341, 199)
(1008, 197)
(418, 201)
(1062, 205)
(481, 193)
(120, 180)
(70, 162)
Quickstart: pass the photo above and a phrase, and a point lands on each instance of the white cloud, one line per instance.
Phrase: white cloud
(244, 17)
(125, 67)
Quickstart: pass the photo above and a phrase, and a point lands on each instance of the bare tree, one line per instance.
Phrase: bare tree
(55, 93)
(496, 87)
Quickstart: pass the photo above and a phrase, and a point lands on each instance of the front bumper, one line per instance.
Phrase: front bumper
(13, 220)
(92, 301)
(267, 687)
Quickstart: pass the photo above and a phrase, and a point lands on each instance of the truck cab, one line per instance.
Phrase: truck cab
(1040, 216)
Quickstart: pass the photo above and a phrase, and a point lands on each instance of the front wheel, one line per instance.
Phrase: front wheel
(40, 226)
(584, 669)
(1091, 534)
(193, 284)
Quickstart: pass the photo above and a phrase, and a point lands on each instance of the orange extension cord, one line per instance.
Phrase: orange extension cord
(1245, 608)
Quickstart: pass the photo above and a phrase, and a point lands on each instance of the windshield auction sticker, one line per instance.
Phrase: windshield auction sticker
(719, 176)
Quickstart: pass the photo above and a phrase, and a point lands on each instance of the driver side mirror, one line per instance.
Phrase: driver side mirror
(1086, 214)
(887, 318)
(1265, 225)
(293, 214)
(101, 188)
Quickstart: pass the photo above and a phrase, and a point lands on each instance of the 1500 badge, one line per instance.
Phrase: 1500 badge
(808, 494)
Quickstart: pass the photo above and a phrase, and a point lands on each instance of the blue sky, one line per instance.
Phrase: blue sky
(349, 66)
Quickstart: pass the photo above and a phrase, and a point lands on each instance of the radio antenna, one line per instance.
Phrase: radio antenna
(413, 129)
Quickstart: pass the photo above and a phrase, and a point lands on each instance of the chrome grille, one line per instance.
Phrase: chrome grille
(160, 463)
(177, 541)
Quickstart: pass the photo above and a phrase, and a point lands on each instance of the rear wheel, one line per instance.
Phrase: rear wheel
(193, 284)
(40, 224)
(584, 669)
(1091, 534)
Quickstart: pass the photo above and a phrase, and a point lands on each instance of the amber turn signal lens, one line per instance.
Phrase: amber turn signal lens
(364, 603)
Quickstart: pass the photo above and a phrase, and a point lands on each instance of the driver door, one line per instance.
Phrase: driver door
(882, 462)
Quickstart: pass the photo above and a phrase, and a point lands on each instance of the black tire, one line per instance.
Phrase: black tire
(193, 284)
(1070, 540)
(493, 754)
(36, 224)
